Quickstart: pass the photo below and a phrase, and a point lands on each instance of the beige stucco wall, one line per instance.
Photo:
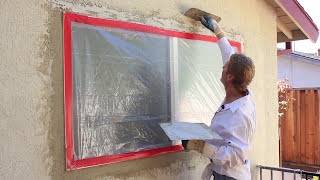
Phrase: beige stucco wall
(31, 83)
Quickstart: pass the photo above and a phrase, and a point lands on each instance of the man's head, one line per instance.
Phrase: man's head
(238, 72)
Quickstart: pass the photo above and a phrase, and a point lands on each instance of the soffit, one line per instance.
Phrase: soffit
(293, 22)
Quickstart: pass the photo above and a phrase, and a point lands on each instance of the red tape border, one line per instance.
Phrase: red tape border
(71, 163)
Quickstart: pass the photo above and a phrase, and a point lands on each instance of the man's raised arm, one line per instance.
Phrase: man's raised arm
(224, 45)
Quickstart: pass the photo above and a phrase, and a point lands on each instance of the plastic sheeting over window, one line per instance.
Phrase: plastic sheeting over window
(124, 83)
(200, 89)
(121, 90)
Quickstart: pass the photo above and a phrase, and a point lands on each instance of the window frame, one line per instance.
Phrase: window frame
(71, 163)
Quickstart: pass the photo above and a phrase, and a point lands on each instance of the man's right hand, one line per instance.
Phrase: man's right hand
(211, 24)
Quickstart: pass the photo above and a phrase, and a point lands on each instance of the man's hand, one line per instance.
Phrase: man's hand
(196, 145)
(211, 24)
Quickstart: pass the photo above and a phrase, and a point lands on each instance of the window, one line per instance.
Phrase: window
(123, 79)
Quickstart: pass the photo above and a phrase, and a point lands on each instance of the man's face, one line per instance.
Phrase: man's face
(224, 74)
(225, 77)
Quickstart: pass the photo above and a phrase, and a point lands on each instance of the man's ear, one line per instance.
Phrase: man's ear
(230, 77)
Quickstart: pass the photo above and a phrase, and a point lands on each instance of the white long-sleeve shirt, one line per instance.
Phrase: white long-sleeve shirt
(236, 124)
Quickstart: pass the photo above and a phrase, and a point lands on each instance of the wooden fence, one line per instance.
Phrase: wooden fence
(300, 130)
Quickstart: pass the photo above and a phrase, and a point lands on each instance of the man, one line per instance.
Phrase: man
(234, 121)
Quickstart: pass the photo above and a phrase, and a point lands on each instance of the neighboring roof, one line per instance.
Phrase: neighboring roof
(306, 57)
(293, 22)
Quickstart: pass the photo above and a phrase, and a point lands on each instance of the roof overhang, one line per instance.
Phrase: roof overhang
(293, 22)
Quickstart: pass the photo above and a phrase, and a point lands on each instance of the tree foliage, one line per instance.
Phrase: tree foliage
(284, 95)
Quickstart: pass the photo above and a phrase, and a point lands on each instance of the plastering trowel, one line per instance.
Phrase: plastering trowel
(188, 131)
(195, 14)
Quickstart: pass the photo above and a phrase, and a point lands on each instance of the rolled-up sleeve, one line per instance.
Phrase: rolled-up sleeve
(233, 154)
(226, 49)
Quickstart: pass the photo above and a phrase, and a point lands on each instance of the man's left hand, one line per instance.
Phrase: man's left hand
(196, 145)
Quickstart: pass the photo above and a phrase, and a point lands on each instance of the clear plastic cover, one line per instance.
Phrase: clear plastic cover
(126, 82)
(121, 90)
(199, 72)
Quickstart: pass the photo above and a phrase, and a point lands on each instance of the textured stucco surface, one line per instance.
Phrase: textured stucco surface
(31, 83)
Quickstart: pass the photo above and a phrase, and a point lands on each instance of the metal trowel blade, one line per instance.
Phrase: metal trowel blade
(188, 131)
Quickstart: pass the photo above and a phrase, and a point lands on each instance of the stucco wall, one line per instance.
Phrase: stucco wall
(302, 74)
(31, 82)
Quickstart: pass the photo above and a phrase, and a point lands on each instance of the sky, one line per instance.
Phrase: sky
(312, 7)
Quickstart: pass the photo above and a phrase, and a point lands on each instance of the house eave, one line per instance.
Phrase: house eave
(293, 22)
